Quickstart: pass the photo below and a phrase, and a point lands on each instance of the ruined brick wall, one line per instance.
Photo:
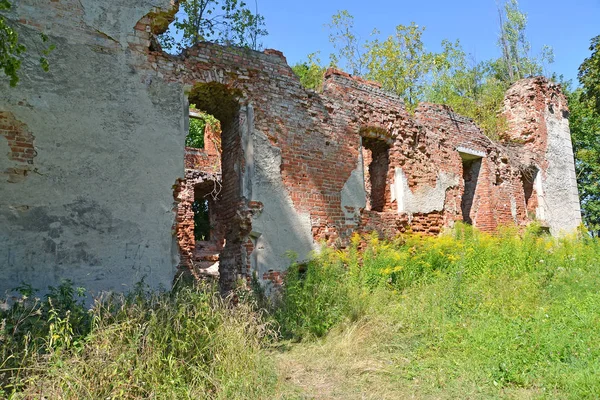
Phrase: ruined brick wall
(498, 198)
(537, 115)
(202, 179)
(310, 161)
(90, 152)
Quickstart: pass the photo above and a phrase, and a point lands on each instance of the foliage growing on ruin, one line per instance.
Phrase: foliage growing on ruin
(402, 64)
(310, 72)
(228, 22)
(12, 49)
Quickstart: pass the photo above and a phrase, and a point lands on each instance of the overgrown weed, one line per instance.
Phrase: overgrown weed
(463, 315)
(190, 343)
(515, 314)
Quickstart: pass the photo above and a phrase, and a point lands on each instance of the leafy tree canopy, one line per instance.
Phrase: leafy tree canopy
(589, 75)
(228, 22)
(402, 64)
(584, 122)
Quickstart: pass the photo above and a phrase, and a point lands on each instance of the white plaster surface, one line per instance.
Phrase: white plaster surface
(540, 211)
(110, 143)
(280, 228)
(354, 194)
(560, 199)
(116, 19)
(425, 199)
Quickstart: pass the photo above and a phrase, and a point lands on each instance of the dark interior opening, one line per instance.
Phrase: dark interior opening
(471, 168)
(204, 215)
(528, 177)
(378, 171)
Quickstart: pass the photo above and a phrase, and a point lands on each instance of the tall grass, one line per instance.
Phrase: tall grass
(190, 343)
(465, 314)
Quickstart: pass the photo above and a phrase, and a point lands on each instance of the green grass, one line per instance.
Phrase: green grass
(464, 315)
(187, 344)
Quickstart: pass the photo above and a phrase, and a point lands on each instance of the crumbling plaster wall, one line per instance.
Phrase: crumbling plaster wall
(95, 204)
(309, 179)
(537, 114)
(89, 181)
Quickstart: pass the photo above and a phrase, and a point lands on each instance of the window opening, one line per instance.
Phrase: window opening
(528, 177)
(378, 158)
(199, 123)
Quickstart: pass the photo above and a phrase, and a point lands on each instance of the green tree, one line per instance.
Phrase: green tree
(469, 87)
(516, 61)
(197, 128)
(401, 64)
(584, 122)
(310, 72)
(584, 119)
(477, 90)
(228, 22)
(589, 75)
(345, 41)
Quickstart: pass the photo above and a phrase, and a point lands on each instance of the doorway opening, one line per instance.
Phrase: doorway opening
(214, 164)
(471, 168)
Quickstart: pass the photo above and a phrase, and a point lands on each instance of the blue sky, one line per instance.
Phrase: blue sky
(297, 28)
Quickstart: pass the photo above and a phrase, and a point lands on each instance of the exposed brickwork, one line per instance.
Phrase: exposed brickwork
(21, 144)
(417, 171)
(525, 106)
(320, 137)
(196, 183)
(202, 183)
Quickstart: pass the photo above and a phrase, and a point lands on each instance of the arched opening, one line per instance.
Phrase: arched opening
(208, 204)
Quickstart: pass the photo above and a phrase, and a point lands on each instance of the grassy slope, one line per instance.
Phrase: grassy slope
(465, 315)
(506, 317)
